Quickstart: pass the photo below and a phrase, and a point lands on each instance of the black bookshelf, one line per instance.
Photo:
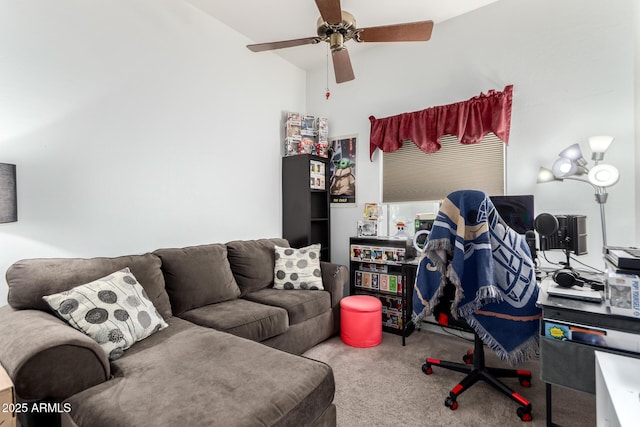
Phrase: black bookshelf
(306, 210)
(385, 268)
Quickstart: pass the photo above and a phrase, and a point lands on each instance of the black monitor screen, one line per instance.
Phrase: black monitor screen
(516, 211)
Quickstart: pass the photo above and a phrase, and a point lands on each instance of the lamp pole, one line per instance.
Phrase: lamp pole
(601, 197)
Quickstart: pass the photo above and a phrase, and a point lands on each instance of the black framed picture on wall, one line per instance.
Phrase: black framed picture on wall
(342, 170)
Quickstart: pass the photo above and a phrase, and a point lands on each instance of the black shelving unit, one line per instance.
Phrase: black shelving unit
(306, 214)
(385, 268)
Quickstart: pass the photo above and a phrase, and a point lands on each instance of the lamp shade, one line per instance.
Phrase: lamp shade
(545, 175)
(8, 193)
(604, 175)
(600, 144)
(564, 167)
(572, 152)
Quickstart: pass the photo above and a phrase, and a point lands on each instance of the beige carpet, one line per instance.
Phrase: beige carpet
(385, 386)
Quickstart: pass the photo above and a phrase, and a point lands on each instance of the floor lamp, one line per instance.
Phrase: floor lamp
(572, 165)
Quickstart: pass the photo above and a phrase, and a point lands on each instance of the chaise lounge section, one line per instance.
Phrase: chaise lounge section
(229, 356)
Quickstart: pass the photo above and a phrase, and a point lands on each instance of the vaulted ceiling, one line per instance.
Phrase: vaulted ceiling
(275, 20)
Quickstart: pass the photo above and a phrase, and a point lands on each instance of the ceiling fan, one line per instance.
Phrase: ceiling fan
(336, 26)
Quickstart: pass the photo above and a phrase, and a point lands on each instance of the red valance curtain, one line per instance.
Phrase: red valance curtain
(469, 120)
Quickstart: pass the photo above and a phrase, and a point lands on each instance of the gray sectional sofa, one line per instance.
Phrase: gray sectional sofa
(230, 355)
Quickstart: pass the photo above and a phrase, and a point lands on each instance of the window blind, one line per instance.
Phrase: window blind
(409, 174)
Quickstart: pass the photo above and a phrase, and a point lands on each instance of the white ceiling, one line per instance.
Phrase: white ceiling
(275, 20)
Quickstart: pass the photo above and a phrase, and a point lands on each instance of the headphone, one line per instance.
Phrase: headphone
(566, 278)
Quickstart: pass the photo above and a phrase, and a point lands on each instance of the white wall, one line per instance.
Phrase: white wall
(138, 124)
(134, 125)
(572, 67)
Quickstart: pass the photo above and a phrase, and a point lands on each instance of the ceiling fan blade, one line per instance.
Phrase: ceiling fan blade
(342, 66)
(260, 47)
(409, 32)
(330, 10)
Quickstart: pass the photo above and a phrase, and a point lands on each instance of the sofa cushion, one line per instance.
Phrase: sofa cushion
(197, 276)
(252, 262)
(298, 268)
(243, 318)
(187, 375)
(30, 280)
(113, 310)
(300, 305)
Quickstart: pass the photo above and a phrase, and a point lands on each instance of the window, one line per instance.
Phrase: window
(409, 174)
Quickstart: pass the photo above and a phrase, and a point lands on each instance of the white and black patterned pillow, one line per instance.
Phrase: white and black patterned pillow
(115, 311)
(298, 268)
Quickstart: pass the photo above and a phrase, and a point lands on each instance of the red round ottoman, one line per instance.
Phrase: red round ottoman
(361, 321)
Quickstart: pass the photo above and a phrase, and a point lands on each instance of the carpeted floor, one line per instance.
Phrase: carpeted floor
(385, 386)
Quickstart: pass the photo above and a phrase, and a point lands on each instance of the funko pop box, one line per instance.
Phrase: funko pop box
(623, 294)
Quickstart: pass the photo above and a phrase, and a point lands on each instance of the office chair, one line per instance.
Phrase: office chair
(474, 363)
(475, 266)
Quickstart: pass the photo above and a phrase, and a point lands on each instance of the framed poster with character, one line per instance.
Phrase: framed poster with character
(342, 170)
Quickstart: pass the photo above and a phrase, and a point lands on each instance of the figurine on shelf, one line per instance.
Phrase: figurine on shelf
(400, 231)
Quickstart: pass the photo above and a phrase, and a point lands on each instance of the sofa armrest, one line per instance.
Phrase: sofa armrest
(46, 358)
(335, 279)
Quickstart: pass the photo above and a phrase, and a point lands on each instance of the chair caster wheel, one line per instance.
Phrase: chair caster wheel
(524, 414)
(450, 403)
(468, 358)
(426, 368)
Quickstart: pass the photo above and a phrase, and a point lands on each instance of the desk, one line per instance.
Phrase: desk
(617, 390)
(572, 364)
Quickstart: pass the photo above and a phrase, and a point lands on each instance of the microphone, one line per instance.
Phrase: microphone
(546, 224)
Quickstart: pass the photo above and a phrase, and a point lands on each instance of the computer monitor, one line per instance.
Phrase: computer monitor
(516, 211)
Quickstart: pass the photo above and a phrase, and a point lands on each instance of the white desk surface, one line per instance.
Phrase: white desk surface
(622, 379)
(546, 300)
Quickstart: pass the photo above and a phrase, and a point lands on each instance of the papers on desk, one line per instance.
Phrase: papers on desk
(574, 292)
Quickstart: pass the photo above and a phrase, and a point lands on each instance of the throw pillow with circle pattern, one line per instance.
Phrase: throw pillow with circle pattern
(298, 268)
(115, 311)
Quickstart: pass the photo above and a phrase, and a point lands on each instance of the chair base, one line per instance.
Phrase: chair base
(478, 371)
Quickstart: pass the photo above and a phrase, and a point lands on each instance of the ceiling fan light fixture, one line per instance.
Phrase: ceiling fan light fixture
(347, 27)
(336, 42)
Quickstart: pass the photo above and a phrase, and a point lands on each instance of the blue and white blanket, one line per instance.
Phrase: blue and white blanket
(491, 268)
